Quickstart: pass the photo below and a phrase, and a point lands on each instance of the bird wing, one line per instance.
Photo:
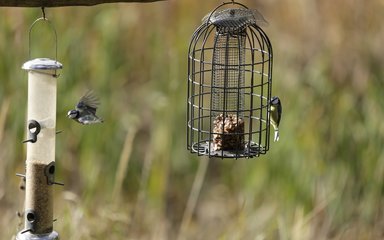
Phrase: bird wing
(88, 102)
(280, 112)
(276, 112)
(90, 119)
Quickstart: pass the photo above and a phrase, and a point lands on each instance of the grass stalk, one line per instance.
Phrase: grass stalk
(193, 197)
(123, 162)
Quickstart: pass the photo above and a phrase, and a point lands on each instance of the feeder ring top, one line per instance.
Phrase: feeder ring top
(42, 64)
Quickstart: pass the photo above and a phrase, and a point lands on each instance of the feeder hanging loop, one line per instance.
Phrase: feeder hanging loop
(43, 18)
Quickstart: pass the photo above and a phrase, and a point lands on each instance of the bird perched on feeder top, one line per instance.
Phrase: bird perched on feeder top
(276, 111)
(85, 112)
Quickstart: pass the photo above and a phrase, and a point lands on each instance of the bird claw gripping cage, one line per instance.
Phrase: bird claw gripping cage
(229, 84)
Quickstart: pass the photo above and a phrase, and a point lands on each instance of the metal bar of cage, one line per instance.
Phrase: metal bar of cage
(190, 136)
(270, 55)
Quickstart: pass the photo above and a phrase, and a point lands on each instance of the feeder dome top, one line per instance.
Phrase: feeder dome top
(42, 64)
(235, 18)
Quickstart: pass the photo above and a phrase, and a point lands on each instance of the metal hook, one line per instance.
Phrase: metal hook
(43, 11)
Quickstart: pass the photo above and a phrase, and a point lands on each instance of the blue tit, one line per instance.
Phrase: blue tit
(276, 110)
(85, 112)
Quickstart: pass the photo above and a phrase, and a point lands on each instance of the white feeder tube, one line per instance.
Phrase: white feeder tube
(42, 108)
(40, 168)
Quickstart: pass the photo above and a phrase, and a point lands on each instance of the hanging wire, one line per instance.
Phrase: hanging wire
(43, 11)
(43, 18)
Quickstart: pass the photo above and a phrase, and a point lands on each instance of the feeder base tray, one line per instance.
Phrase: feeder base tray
(249, 151)
(29, 236)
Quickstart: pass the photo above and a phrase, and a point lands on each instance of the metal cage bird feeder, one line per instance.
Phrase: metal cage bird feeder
(229, 84)
(40, 162)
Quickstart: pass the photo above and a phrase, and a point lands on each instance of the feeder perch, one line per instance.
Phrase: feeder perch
(229, 84)
(40, 162)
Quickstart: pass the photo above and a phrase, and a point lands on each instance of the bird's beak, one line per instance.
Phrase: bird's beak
(69, 114)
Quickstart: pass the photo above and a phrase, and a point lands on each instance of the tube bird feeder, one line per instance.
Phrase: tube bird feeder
(40, 162)
(229, 84)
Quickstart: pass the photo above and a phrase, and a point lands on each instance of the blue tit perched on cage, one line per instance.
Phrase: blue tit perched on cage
(275, 110)
(85, 110)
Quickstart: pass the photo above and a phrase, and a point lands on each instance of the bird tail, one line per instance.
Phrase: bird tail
(277, 136)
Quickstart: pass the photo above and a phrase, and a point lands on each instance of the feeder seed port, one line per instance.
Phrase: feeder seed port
(49, 173)
(33, 130)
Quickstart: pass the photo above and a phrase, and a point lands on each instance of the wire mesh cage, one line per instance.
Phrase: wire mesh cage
(229, 84)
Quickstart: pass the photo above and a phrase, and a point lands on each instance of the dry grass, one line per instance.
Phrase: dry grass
(322, 180)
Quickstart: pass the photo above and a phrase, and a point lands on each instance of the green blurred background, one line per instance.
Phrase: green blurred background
(322, 180)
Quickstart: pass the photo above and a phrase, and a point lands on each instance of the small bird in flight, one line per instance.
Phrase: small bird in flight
(85, 112)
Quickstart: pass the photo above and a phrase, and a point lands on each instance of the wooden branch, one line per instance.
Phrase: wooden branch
(62, 3)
